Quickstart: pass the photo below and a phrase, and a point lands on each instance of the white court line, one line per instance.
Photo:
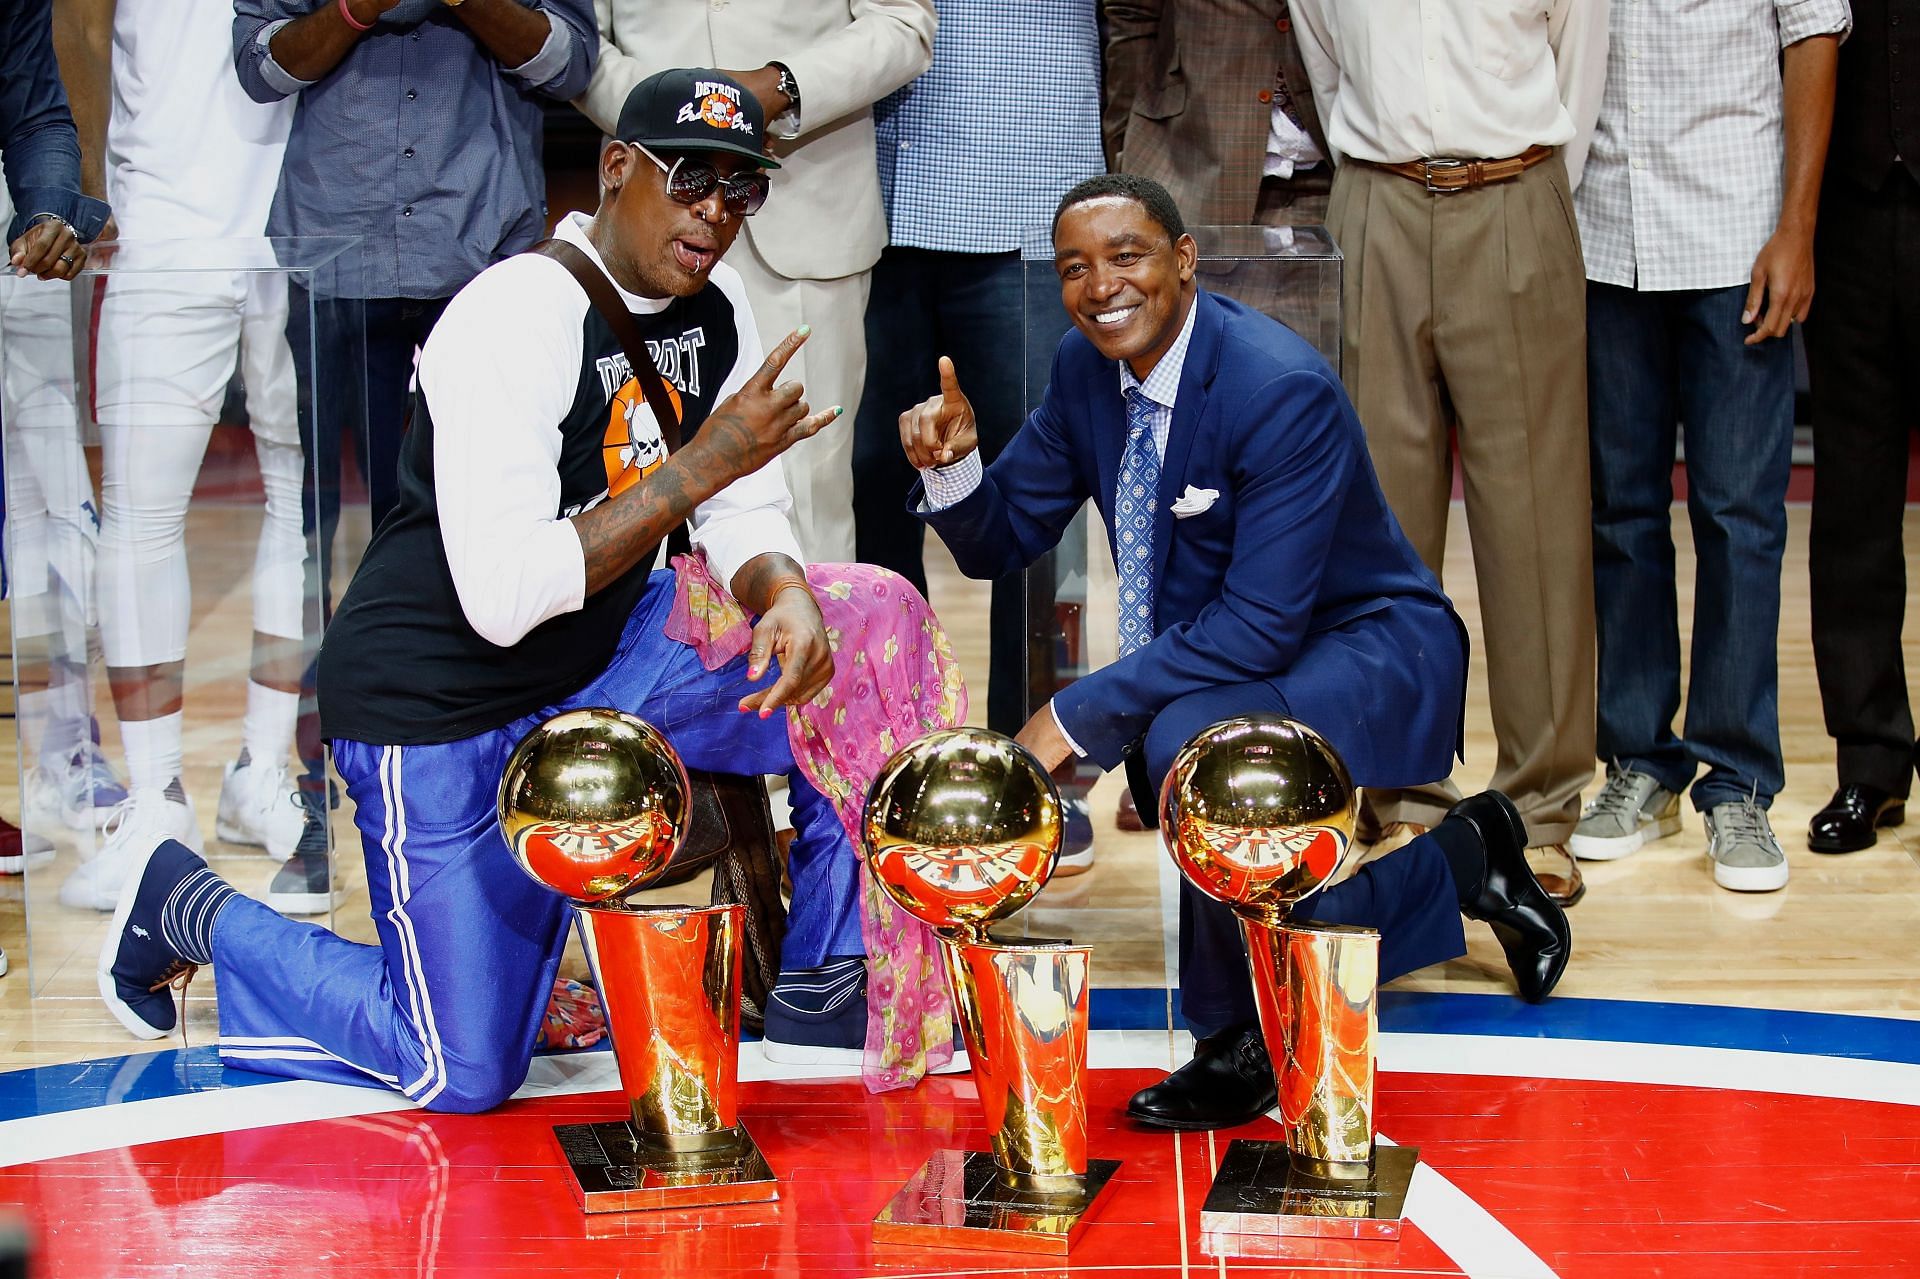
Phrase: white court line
(1609, 1061)
(1471, 1236)
(129, 1123)
(196, 1114)
(1169, 885)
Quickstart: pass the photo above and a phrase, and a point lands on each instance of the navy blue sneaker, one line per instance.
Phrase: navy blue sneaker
(304, 883)
(137, 967)
(818, 1016)
(1076, 844)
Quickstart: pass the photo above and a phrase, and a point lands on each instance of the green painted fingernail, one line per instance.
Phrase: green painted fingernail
(837, 410)
(805, 329)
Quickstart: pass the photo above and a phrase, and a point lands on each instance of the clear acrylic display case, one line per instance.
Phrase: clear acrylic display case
(164, 380)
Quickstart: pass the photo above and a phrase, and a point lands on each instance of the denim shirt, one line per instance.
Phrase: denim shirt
(41, 150)
(418, 141)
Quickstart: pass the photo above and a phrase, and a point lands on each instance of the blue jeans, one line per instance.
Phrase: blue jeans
(1655, 361)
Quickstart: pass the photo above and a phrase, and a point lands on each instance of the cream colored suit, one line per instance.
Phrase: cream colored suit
(805, 257)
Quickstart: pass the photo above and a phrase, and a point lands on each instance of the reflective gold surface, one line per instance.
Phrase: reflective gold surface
(1258, 812)
(1324, 1059)
(962, 1199)
(962, 828)
(669, 978)
(1260, 1193)
(1023, 1013)
(613, 1171)
(593, 803)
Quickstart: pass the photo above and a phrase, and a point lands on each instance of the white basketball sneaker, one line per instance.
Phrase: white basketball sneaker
(260, 805)
(136, 827)
(80, 792)
(47, 798)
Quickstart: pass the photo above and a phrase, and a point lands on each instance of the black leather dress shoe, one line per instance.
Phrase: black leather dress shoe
(1229, 1082)
(1847, 823)
(1531, 928)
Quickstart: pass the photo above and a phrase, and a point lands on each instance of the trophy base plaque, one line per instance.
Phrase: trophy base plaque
(961, 1199)
(615, 1171)
(1258, 1192)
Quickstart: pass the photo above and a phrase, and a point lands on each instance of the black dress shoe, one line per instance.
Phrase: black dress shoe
(1229, 1082)
(1531, 928)
(1847, 823)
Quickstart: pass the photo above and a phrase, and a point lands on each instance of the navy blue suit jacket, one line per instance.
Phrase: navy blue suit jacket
(1298, 574)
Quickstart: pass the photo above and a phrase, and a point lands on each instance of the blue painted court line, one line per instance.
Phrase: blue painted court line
(46, 1090)
(1614, 1020)
(1631, 1021)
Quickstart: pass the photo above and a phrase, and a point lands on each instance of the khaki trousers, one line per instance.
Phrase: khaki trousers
(832, 365)
(1467, 311)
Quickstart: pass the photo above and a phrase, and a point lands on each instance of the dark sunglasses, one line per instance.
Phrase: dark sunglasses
(691, 181)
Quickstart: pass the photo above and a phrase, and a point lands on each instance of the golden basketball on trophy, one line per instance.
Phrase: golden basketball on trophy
(594, 803)
(1258, 812)
(962, 828)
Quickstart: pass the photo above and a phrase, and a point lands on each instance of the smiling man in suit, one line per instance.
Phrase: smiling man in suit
(1259, 570)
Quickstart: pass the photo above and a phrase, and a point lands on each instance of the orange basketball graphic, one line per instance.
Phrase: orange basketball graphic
(719, 110)
(627, 459)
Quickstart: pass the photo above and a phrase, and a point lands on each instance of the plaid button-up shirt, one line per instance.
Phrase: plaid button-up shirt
(1684, 179)
(980, 148)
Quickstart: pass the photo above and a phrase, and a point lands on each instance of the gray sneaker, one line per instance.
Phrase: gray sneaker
(1746, 856)
(1632, 809)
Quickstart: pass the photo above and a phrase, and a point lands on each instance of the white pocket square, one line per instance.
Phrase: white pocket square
(1194, 501)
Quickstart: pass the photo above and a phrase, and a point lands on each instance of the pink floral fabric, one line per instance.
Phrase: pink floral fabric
(894, 680)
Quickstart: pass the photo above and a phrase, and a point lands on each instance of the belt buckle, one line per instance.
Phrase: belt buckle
(1428, 166)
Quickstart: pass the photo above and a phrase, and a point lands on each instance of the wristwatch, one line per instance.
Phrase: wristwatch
(787, 123)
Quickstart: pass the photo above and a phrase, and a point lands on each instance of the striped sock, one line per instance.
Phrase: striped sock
(186, 920)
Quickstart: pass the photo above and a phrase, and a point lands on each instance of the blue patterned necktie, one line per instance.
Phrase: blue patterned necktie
(1133, 509)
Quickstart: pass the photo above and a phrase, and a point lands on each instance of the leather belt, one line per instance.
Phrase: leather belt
(1464, 175)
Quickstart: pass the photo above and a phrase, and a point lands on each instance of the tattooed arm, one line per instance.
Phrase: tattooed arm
(744, 432)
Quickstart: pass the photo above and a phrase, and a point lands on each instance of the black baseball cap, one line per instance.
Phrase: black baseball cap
(695, 109)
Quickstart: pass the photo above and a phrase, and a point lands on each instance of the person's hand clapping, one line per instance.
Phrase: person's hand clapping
(940, 431)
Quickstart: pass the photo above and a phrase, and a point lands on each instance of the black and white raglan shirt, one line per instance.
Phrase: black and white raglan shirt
(470, 608)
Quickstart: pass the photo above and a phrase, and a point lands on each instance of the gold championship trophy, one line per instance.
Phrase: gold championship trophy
(1258, 812)
(962, 828)
(594, 804)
